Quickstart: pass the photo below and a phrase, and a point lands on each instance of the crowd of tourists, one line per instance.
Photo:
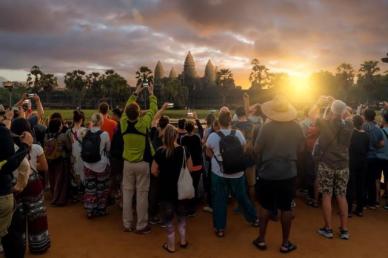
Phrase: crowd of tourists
(160, 172)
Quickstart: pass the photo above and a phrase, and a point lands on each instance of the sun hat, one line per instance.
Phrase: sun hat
(338, 107)
(279, 110)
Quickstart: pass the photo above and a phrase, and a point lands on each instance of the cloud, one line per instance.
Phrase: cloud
(124, 34)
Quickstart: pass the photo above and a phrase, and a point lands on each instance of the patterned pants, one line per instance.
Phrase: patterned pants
(96, 191)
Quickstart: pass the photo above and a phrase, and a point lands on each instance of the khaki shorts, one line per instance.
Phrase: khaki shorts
(332, 181)
(6, 212)
(250, 174)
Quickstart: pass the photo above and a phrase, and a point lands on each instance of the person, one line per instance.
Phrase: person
(333, 166)
(192, 142)
(382, 154)
(57, 148)
(109, 125)
(181, 129)
(137, 156)
(96, 170)
(376, 142)
(167, 165)
(25, 106)
(280, 141)
(116, 114)
(10, 160)
(30, 202)
(76, 133)
(358, 150)
(222, 184)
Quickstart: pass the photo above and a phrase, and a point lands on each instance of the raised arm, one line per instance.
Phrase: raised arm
(39, 107)
(149, 115)
(131, 99)
(159, 114)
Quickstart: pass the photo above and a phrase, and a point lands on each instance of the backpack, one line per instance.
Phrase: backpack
(90, 147)
(51, 147)
(131, 129)
(232, 153)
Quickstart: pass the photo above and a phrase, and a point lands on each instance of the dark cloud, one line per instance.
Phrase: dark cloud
(124, 34)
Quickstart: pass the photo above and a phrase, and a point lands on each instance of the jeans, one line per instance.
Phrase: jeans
(371, 177)
(153, 197)
(221, 187)
(196, 176)
(356, 185)
(136, 178)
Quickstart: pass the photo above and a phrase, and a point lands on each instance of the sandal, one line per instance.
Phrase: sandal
(165, 247)
(220, 233)
(185, 245)
(287, 248)
(261, 245)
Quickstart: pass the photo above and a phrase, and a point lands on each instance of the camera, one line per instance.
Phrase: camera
(31, 95)
(190, 114)
(145, 83)
(170, 105)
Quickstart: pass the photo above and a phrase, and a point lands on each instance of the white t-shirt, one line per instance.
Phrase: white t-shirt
(213, 142)
(78, 164)
(35, 152)
(100, 166)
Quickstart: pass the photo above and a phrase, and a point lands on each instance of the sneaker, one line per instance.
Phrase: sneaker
(256, 223)
(344, 234)
(326, 232)
(144, 231)
(207, 209)
(154, 221)
(386, 206)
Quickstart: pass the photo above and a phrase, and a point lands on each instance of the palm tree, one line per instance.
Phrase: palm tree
(34, 77)
(225, 81)
(260, 76)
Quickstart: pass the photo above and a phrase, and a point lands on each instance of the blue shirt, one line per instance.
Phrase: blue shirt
(375, 136)
(383, 152)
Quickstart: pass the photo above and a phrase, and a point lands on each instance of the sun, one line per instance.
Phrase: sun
(299, 88)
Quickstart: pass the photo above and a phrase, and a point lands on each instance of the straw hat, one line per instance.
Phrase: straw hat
(279, 110)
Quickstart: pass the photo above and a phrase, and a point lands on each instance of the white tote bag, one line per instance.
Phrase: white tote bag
(185, 182)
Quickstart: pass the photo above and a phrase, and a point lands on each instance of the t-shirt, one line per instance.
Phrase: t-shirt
(382, 153)
(375, 136)
(35, 152)
(100, 166)
(213, 142)
(334, 142)
(278, 144)
(359, 146)
(246, 127)
(169, 171)
(194, 146)
(109, 126)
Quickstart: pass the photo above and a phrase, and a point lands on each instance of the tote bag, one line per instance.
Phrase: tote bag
(185, 182)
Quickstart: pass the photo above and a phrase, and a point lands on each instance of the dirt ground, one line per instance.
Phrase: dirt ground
(74, 236)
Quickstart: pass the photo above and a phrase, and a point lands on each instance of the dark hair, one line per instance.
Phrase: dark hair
(370, 115)
(117, 111)
(78, 116)
(210, 118)
(20, 125)
(164, 121)
(385, 115)
(181, 123)
(225, 118)
(358, 121)
(54, 125)
(189, 126)
(103, 108)
(132, 111)
(56, 115)
(240, 112)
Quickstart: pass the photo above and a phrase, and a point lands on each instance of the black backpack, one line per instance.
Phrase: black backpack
(90, 147)
(232, 153)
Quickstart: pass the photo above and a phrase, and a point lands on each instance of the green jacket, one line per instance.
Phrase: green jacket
(134, 144)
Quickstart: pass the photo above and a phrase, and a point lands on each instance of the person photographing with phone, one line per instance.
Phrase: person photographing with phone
(25, 106)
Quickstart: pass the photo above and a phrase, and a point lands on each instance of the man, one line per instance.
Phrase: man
(382, 155)
(376, 142)
(109, 125)
(225, 183)
(333, 166)
(25, 107)
(137, 156)
(277, 146)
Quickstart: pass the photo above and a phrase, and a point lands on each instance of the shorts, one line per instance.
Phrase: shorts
(170, 209)
(276, 194)
(332, 181)
(250, 174)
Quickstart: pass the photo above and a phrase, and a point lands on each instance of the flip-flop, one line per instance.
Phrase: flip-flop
(165, 247)
(287, 248)
(261, 245)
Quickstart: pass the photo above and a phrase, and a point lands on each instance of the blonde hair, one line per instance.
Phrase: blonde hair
(169, 138)
(97, 119)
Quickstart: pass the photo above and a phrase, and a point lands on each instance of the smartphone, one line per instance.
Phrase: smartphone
(31, 95)
(190, 114)
(170, 105)
(145, 83)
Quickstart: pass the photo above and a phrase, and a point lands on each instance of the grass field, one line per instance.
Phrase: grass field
(172, 113)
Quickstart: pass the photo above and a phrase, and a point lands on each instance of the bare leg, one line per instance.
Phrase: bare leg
(171, 235)
(343, 208)
(264, 218)
(182, 230)
(326, 209)
(286, 218)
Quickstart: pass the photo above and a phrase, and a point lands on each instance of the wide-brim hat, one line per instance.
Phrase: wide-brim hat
(279, 110)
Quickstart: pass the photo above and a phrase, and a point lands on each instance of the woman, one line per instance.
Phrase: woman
(167, 165)
(75, 134)
(30, 201)
(192, 142)
(57, 148)
(96, 173)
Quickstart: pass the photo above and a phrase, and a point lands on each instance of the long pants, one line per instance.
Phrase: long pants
(356, 185)
(96, 191)
(221, 187)
(371, 177)
(196, 176)
(13, 242)
(136, 179)
(207, 182)
(153, 196)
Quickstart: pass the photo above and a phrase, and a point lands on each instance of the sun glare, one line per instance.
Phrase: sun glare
(299, 88)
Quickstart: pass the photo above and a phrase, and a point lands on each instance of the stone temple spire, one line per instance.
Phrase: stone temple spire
(172, 74)
(159, 71)
(210, 72)
(189, 71)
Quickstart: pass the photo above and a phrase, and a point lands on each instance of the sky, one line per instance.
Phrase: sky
(293, 36)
